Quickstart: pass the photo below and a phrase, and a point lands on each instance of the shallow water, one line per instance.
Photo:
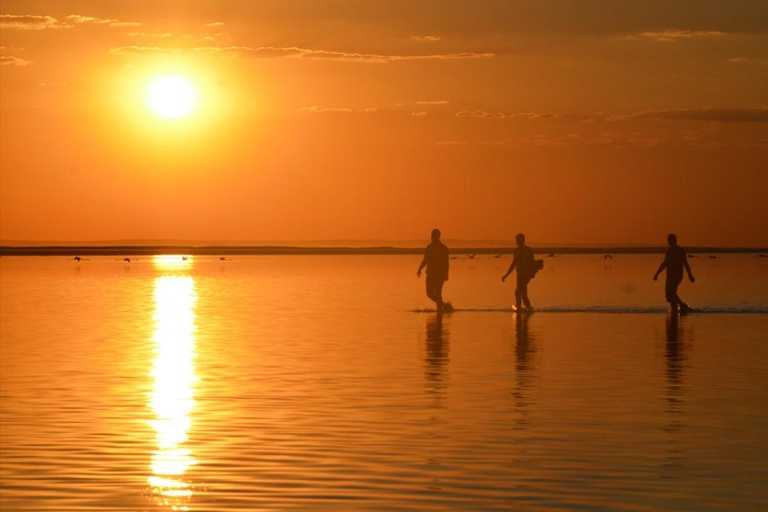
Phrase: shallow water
(309, 383)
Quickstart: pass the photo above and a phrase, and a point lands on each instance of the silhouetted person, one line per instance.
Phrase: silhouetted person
(674, 262)
(436, 261)
(526, 268)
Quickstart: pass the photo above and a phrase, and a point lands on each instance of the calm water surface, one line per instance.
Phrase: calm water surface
(309, 383)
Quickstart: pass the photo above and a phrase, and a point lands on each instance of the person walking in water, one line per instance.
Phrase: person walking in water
(526, 268)
(674, 262)
(436, 261)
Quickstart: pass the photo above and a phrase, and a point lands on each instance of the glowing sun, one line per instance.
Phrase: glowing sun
(172, 97)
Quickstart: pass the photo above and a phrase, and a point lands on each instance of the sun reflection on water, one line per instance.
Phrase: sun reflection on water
(172, 399)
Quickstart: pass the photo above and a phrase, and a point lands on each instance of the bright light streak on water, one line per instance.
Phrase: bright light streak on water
(172, 399)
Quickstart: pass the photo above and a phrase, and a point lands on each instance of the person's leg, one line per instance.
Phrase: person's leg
(435, 291)
(439, 293)
(684, 308)
(526, 300)
(521, 292)
(670, 292)
(430, 289)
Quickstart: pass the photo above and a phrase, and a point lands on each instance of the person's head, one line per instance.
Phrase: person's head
(436, 235)
(520, 239)
(672, 239)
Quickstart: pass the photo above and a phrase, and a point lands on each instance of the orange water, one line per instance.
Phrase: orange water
(305, 383)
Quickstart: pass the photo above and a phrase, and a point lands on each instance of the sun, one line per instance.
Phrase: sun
(172, 97)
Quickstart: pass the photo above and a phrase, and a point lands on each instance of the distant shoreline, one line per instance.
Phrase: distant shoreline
(320, 251)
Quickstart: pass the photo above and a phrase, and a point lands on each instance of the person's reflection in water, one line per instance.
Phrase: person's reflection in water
(525, 350)
(674, 396)
(436, 359)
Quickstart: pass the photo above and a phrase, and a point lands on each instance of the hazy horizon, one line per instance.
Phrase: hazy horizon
(340, 243)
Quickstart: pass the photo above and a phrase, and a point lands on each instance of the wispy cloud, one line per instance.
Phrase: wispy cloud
(433, 102)
(501, 115)
(215, 24)
(206, 36)
(7, 60)
(305, 53)
(79, 19)
(419, 114)
(616, 139)
(141, 49)
(452, 143)
(11, 60)
(673, 35)
(35, 22)
(28, 22)
(708, 114)
(747, 60)
(150, 34)
(314, 109)
(426, 39)
(274, 52)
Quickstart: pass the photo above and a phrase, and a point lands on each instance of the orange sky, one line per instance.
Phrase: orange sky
(578, 122)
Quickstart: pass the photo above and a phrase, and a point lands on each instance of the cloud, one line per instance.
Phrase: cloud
(150, 34)
(501, 115)
(673, 35)
(143, 50)
(434, 102)
(126, 24)
(452, 143)
(707, 114)
(699, 140)
(6, 60)
(34, 22)
(304, 53)
(615, 139)
(419, 114)
(427, 39)
(215, 24)
(747, 60)
(274, 52)
(28, 22)
(206, 36)
(314, 109)
(79, 19)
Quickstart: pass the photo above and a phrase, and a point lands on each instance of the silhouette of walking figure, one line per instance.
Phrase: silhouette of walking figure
(526, 268)
(436, 261)
(674, 262)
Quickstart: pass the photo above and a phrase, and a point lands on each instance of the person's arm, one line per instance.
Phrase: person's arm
(688, 269)
(421, 267)
(511, 268)
(661, 269)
